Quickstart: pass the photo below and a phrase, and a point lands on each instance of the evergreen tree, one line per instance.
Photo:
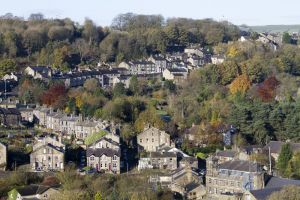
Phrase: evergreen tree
(284, 157)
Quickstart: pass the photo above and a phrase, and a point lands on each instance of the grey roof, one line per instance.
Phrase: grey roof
(276, 182)
(226, 153)
(142, 62)
(191, 186)
(59, 149)
(178, 69)
(39, 68)
(275, 146)
(104, 138)
(162, 155)
(100, 151)
(240, 165)
(263, 194)
(273, 185)
(9, 111)
(32, 190)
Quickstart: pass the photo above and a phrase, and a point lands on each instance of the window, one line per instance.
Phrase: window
(114, 157)
(141, 140)
(92, 158)
(49, 158)
(152, 139)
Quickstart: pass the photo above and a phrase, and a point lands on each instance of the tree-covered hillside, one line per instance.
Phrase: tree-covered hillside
(63, 43)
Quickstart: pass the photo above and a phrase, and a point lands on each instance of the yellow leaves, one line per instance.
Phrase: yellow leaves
(240, 84)
(67, 109)
(232, 52)
(79, 101)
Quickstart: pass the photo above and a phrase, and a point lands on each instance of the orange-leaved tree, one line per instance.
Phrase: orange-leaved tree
(240, 84)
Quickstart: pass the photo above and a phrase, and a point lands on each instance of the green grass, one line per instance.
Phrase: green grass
(94, 137)
(276, 28)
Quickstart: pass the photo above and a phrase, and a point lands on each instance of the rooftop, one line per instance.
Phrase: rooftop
(240, 165)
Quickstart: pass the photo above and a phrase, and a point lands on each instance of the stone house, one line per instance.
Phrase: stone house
(232, 177)
(159, 160)
(196, 61)
(10, 117)
(275, 148)
(84, 129)
(40, 114)
(38, 72)
(152, 138)
(39, 192)
(159, 62)
(47, 155)
(104, 155)
(3, 156)
(68, 124)
(26, 114)
(274, 184)
(54, 120)
(125, 79)
(196, 50)
(217, 59)
(175, 74)
(183, 181)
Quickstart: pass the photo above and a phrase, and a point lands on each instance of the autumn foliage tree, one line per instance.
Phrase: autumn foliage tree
(55, 96)
(267, 89)
(240, 84)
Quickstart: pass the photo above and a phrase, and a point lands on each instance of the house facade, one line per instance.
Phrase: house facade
(10, 117)
(104, 155)
(152, 138)
(48, 154)
(159, 160)
(232, 177)
(3, 156)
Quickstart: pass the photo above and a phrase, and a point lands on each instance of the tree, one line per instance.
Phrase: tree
(98, 196)
(284, 157)
(91, 85)
(7, 66)
(286, 38)
(240, 84)
(134, 85)
(119, 90)
(53, 95)
(267, 89)
(149, 116)
(90, 32)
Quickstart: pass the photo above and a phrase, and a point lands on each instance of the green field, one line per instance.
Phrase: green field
(276, 28)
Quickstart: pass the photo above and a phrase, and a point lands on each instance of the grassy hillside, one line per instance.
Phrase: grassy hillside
(276, 28)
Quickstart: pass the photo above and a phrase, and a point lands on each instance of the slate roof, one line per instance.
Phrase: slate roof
(273, 185)
(280, 182)
(263, 194)
(162, 155)
(240, 165)
(32, 190)
(143, 62)
(275, 146)
(226, 153)
(100, 151)
(191, 186)
(104, 138)
(174, 70)
(9, 111)
(59, 149)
